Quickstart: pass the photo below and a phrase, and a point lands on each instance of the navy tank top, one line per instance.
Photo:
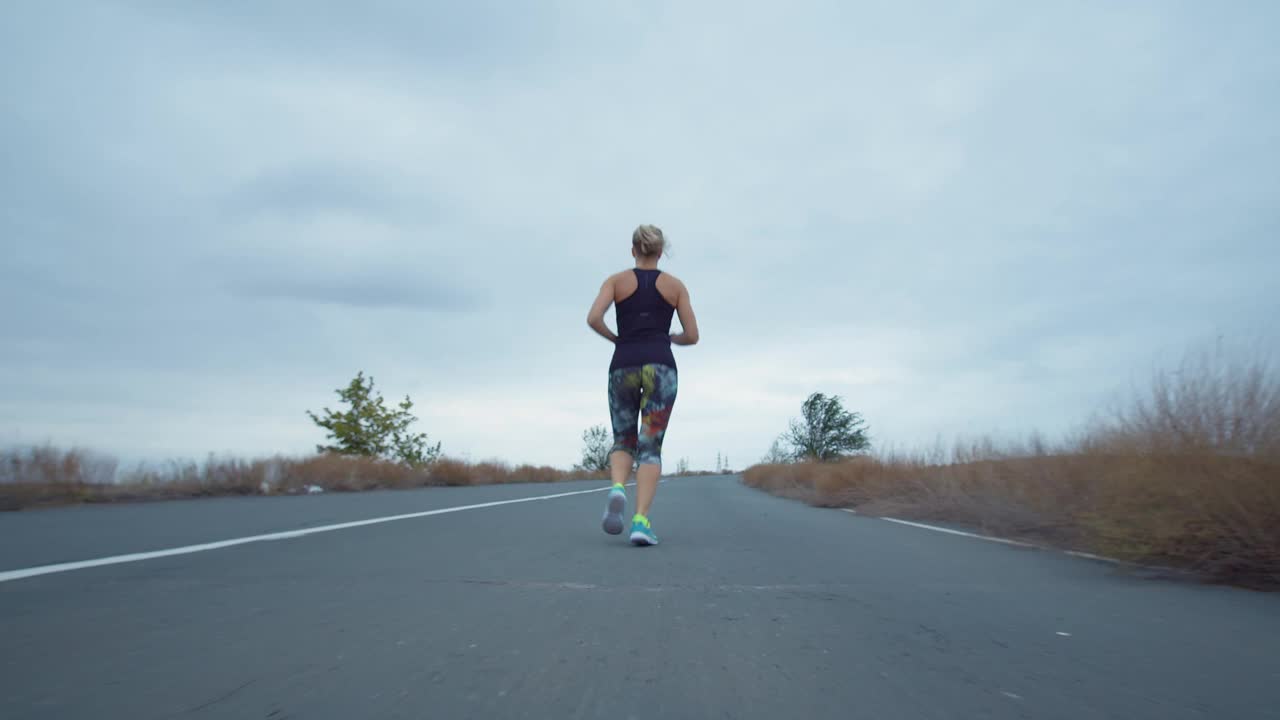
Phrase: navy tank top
(644, 326)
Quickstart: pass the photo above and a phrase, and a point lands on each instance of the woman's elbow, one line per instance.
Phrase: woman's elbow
(692, 337)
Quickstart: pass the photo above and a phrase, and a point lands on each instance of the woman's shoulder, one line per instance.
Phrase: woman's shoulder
(670, 279)
(623, 283)
(671, 288)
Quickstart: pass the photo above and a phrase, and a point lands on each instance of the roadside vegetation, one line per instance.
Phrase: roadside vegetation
(32, 477)
(370, 429)
(1184, 473)
(597, 442)
(370, 446)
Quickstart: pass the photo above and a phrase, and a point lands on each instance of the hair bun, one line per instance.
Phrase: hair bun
(649, 241)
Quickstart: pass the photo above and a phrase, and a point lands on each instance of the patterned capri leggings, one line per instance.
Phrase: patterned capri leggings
(646, 394)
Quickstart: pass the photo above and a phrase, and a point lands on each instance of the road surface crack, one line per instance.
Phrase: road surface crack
(223, 697)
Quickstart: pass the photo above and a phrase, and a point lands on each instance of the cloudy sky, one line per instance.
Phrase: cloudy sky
(964, 218)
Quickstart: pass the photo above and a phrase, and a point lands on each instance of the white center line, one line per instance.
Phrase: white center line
(959, 532)
(1005, 541)
(10, 575)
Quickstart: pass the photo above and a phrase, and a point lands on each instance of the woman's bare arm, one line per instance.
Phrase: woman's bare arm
(688, 321)
(595, 318)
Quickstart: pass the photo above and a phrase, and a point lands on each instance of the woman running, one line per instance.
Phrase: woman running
(642, 376)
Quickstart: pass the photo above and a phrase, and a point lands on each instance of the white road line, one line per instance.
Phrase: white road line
(1004, 541)
(1091, 556)
(20, 574)
(962, 533)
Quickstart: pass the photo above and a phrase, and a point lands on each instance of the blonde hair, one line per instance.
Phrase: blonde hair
(648, 241)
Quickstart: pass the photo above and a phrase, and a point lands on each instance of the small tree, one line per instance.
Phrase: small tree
(596, 446)
(778, 453)
(826, 431)
(372, 429)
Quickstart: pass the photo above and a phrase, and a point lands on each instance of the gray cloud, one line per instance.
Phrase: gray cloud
(962, 218)
(308, 190)
(363, 292)
(478, 35)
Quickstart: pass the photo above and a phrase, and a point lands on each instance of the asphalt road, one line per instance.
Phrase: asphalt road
(752, 607)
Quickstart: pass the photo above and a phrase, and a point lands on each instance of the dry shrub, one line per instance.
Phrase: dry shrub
(188, 479)
(1212, 404)
(42, 474)
(45, 476)
(43, 464)
(1186, 475)
(795, 481)
(851, 482)
(1216, 515)
(693, 473)
(1192, 476)
(547, 474)
(491, 472)
(345, 473)
(537, 474)
(449, 471)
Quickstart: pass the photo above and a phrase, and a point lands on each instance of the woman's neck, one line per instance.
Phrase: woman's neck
(646, 264)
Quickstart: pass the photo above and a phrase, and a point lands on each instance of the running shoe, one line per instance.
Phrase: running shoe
(613, 511)
(641, 533)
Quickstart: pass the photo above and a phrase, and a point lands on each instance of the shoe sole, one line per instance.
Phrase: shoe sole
(613, 515)
(642, 540)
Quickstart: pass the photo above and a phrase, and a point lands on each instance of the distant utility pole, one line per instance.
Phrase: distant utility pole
(719, 463)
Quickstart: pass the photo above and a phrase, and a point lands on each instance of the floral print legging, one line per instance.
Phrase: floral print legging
(647, 394)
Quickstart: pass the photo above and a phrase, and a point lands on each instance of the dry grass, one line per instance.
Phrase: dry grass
(1186, 474)
(1219, 516)
(491, 472)
(31, 477)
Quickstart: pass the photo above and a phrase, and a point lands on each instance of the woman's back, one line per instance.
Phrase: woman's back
(644, 316)
(645, 313)
(627, 282)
